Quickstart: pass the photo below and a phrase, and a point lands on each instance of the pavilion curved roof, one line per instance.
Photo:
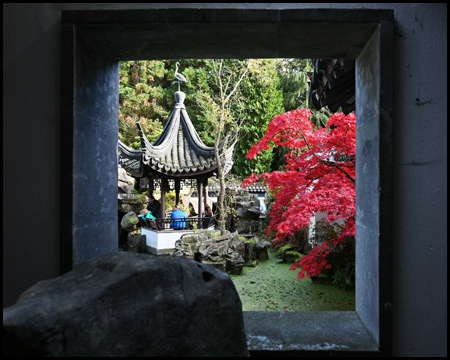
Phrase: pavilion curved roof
(178, 152)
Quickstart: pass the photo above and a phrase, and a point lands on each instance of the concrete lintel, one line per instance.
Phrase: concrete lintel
(167, 33)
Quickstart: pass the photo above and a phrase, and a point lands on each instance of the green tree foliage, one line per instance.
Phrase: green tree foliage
(226, 112)
(294, 82)
(293, 75)
(141, 99)
(146, 94)
(271, 87)
(263, 98)
(198, 75)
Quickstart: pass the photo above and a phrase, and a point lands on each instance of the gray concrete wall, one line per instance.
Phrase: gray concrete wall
(95, 153)
(31, 159)
(368, 184)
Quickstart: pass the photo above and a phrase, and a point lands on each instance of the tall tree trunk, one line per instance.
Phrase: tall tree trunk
(228, 88)
(220, 198)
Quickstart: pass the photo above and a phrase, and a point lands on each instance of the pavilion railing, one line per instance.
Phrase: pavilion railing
(175, 224)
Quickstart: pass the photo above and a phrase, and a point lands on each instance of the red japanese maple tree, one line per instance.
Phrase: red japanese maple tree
(319, 177)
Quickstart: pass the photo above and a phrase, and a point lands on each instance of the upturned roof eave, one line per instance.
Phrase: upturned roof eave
(165, 142)
(182, 175)
(179, 151)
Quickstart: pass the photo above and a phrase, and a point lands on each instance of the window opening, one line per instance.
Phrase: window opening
(365, 35)
(146, 97)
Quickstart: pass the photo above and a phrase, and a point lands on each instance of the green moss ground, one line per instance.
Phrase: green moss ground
(270, 286)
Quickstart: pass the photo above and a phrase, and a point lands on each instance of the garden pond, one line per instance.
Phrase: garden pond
(271, 286)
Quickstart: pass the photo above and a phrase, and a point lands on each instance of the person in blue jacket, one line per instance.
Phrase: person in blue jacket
(178, 215)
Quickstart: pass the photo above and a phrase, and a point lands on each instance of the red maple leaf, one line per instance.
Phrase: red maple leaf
(319, 177)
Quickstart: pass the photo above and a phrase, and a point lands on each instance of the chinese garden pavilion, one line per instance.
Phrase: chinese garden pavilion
(176, 158)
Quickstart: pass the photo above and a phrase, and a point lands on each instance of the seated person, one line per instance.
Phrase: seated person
(148, 218)
(208, 214)
(154, 206)
(178, 215)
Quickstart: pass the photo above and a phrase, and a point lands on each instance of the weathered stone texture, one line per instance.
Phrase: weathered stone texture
(129, 221)
(128, 304)
(226, 252)
(137, 243)
(125, 182)
(248, 212)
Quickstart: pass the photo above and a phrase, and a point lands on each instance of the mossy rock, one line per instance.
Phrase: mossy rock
(291, 257)
(129, 221)
(211, 233)
(189, 238)
(252, 263)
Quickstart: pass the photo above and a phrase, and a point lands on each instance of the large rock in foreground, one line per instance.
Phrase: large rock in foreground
(128, 304)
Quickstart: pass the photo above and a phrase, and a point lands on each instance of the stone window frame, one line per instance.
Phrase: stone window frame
(92, 44)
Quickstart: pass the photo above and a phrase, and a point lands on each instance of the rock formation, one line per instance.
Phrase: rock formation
(128, 304)
(248, 212)
(227, 252)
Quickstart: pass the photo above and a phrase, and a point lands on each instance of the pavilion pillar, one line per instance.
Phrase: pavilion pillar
(205, 186)
(200, 196)
(177, 191)
(164, 186)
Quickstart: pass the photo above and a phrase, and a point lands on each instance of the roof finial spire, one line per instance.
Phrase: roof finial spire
(179, 76)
